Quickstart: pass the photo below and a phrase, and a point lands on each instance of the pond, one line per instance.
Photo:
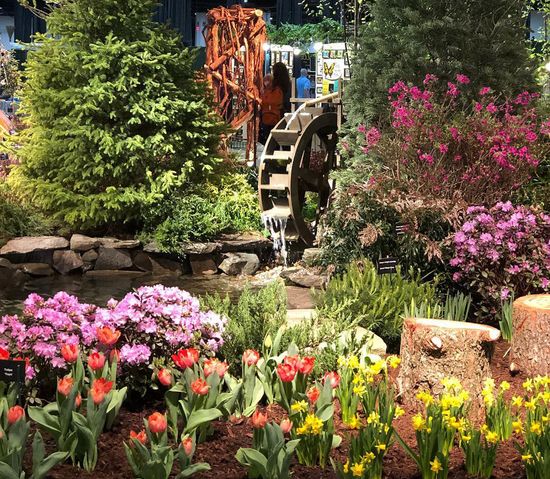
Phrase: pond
(99, 290)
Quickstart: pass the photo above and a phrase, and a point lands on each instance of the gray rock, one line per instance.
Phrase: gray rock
(152, 247)
(244, 243)
(6, 264)
(305, 278)
(113, 259)
(200, 248)
(65, 261)
(90, 256)
(311, 255)
(12, 278)
(299, 298)
(203, 264)
(166, 267)
(116, 243)
(30, 244)
(142, 261)
(83, 242)
(373, 344)
(36, 269)
(235, 264)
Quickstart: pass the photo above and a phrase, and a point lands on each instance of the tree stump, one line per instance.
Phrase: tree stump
(433, 349)
(531, 335)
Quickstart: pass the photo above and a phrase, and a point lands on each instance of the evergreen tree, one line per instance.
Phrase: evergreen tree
(117, 118)
(406, 39)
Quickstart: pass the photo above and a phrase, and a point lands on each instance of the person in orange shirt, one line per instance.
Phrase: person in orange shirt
(272, 108)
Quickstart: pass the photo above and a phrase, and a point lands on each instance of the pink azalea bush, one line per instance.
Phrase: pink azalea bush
(439, 145)
(154, 322)
(501, 250)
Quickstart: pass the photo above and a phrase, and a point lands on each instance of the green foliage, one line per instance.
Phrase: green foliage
(10, 77)
(224, 205)
(254, 316)
(456, 308)
(505, 323)
(118, 119)
(17, 218)
(405, 40)
(327, 31)
(376, 302)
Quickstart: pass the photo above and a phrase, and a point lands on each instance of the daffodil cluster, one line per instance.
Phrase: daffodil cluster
(497, 410)
(534, 429)
(480, 448)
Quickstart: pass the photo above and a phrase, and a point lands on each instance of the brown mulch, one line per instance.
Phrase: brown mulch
(220, 450)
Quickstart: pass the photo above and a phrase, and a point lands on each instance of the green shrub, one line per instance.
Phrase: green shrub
(224, 205)
(376, 302)
(118, 119)
(18, 218)
(255, 315)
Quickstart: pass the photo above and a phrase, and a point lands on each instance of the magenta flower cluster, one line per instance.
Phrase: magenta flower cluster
(444, 145)
(503, 249)
(153, 320)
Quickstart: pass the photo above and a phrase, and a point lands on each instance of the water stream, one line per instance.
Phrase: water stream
(276, 225)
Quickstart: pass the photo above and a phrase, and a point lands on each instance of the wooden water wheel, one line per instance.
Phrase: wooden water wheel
(299, 154)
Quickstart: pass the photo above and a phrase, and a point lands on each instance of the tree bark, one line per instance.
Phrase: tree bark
(530, 353)
(434, 349)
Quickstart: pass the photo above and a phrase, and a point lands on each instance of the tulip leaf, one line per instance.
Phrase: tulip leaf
(45, 420)
(193, 469)
(199, 417)
(254, 459)
(6, 472)
(47, 464)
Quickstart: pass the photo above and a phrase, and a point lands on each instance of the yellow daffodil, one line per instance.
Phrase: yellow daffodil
(369, 457)
(526, 458)
(425, 397)
(465, 437)
(354, 422)
(381, 447)
(373, 418)
(517, 426)
(346, 467)
(491, 437)
(517, 401)
(528, 385)
(359, 390)
(418, 422)
(504, 386)
(529, 405)
(357, 469)
(393, 361)
(300, 406)
(399, 411)
(536, 428)
(435, 465)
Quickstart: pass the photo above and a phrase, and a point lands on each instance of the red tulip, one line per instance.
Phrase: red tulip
(186, 358)
(99, 389)
(200, 387)
(259, 420)
(292, 360)
(333, 377)
(96, 360)
(305, 365)
(78, 400)
(221, 368)
(286, 372)
(15, 413)
(251, 357)
(165, 377)
(213, 365)
(187, 445)
(286, 425)
(140, 436)
(157, 423)
(65, 385)
(70, 352)
(107, 336)
(4, 353)
(313, 394)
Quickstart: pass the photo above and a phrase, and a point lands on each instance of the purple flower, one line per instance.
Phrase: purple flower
(135, 354)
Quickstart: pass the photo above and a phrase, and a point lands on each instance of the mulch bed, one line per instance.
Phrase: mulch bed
(219, 451)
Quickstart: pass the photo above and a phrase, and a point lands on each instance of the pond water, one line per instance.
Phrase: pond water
(99, 290)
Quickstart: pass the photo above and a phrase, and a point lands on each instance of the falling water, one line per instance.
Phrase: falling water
(276, 225)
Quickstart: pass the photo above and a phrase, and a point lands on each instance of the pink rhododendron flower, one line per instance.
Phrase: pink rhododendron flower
(460, 78)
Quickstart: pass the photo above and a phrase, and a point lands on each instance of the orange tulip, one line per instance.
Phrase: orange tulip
(99, 389)
(251, 357)
(96, 360)
(114, 356)
(70, 352)
(313, 394)
(286, 425)
(157, 423)
(65, 385)
(15, 413)
(333, 377)
(259, 420)
(78, 400)
(305, 365)
(140, 436)
(187, 445)
(200, 387)
(107, 335)
(292, 360)
(213, 365)
(165, 377)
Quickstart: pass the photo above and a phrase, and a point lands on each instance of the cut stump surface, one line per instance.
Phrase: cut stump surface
(433, 349)
(531, 335)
